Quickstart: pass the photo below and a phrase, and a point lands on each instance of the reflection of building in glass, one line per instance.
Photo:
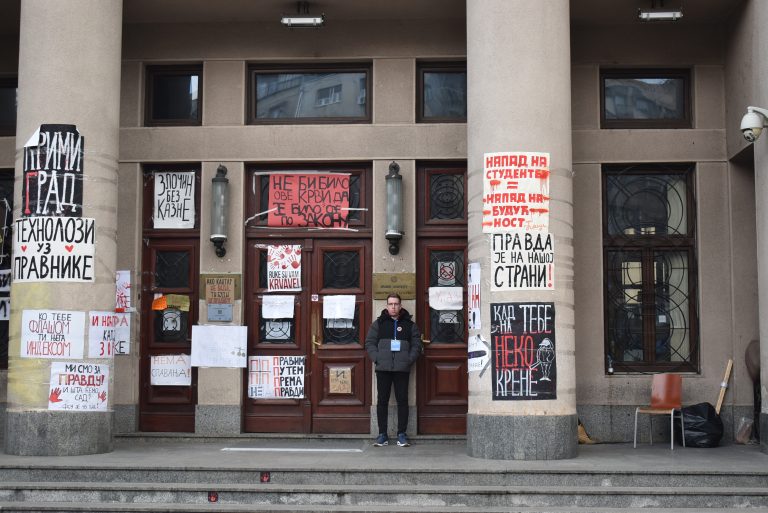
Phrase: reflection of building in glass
(310, 95)
(445, 95)
(637, 98)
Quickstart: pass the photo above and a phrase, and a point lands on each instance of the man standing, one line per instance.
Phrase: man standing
(393, 344)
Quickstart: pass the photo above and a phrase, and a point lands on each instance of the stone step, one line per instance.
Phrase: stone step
(406, 496)
(398, 476)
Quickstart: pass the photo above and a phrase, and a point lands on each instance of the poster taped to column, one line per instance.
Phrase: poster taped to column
(174, 199)
(53, 172)
(275, 377)
(515, 192)
(54, 249)
(108, 334)
(52, 334)
(522, 261)
(78, 386)
(473, 296)
(122, 291)
(524, 351)
(319, 200)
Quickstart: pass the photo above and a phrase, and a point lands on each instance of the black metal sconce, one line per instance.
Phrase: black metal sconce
(219, 210)
(394, 208)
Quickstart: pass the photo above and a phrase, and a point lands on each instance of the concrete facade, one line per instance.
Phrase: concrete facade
(721, 45)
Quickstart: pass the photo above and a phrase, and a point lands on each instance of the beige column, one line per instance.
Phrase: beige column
(519, 100)
(69, 73)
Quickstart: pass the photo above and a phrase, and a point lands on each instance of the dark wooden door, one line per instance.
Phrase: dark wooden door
(338, 374)
(170, 267)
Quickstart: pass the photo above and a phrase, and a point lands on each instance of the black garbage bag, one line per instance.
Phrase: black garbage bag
(703, 426)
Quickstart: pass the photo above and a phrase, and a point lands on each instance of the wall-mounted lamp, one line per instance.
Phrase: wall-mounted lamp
(753, 122)
(394, 208)
(219, 210)
(302, 18)
(659, 13)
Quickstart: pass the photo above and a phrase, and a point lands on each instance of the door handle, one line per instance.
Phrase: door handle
(315, 343)
(424, 340)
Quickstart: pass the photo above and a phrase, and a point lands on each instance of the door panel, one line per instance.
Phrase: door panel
(337, 380)
(442, 371)
(171, 269)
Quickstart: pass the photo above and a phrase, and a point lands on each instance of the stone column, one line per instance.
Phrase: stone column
(69, 73)
(519, 88)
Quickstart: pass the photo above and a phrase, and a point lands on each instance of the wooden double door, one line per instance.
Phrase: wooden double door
(337, 382)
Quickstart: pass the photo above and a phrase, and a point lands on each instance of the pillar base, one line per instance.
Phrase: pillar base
(522, 437)
(58, 433)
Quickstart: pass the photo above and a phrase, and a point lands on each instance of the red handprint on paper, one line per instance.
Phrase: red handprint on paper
(54, 397)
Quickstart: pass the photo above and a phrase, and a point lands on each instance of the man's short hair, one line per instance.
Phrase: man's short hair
(394, 295)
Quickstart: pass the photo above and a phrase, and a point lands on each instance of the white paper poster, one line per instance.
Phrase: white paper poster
(275, 377)
(277, 307)
(170, 370)
(339, 307)
(122, 291)
(219, 346)
(446, 298)
(174, 199)
(522, 261)
(54, 249)
(78, 386)
(473, 296)
(515, 192)
(478, 353)
(284, 268)
(52, 334)
(5, 280)
(108, 334)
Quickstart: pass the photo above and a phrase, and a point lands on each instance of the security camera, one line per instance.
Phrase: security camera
(753, 122)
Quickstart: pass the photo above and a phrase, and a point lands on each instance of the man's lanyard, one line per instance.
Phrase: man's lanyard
(395, 335)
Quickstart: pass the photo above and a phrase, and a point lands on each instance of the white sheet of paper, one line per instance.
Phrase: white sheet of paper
(277, 307)
(338, 307)
(446, 298)
(219, 346)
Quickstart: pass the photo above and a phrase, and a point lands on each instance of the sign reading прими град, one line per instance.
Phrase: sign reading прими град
(54, 249)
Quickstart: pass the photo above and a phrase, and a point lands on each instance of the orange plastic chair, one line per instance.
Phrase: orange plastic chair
(666, 399)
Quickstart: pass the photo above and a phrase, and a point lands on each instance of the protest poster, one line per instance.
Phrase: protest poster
(108, 334)
(52, 184)
(220, 297)
(174, 199)
(122, 291)
(219, 346)
(283, 268)
(515, 192)
(54, 249)
(5, 308)
(524, 351)
(275, 377)
(52, 334)
(522, 261)
(170, 370)
(473, 296)
(446, 298)
(478, 353)
(78, 386)
(319, 200)
(5, 280)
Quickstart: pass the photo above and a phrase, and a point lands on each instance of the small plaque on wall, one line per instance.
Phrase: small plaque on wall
(399, 283)
(220, 313)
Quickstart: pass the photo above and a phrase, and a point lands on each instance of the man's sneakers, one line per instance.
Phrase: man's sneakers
(402, 440)
(382, 440)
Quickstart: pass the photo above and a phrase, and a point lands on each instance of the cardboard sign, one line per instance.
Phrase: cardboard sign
(174, 199)
(308, 200)
(276, 377)
(52, 334)
(515, 192)
(283, 268)
(522, 261)
(109, 333)
(170, 370)
(78, 386)
(54, 249)
(524, 351)
(53, 172)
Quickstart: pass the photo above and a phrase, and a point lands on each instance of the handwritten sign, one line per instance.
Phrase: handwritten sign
(53, 172)
(52, 334)
(108, 334)
(478, 353)
(446, 298)
(5, 280)
(275, 377)
(473, 296)
(122, 291)
(170, 370)
(308, 200)
(283, 268)
(5, 308)
(523, 343)
(515, 192)
(220, 290)
(78, 386)
(54, 249)
(219, 346)
(174, 199)
(522, 261)
(340, 380)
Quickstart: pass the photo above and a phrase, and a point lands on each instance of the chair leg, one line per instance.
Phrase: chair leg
(672, 430)
(650, 431)
(635, 443)
(682, 426)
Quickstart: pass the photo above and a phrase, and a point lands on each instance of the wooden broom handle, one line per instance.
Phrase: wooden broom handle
(724, 386)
